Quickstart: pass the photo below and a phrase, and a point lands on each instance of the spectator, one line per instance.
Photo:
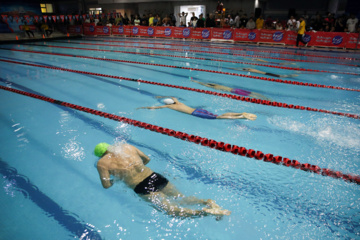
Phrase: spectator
(243, 21)
(260, 23)
(193, 21)
(126, 19)
(291, 24)
(219, 7)
(151, 20)
(46, 29)
(269, 23)
(173, 19)
(301, 32)
(166, 21)
(340, 24)
(210, 21)
(137, 20)
(201, 21)
(237, 21)
(352, 23)
(27, 30)
(250, 24)
(157, 20)
(278, 25)
(182, 17)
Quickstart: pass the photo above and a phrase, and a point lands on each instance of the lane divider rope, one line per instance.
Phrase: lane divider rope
(231, 48)
(221, 146)
(196, 58)
(297, 83)
(231, 96)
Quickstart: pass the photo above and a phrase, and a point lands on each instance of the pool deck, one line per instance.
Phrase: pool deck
(20, 37)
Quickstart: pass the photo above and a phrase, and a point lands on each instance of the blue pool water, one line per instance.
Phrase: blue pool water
(50, 186)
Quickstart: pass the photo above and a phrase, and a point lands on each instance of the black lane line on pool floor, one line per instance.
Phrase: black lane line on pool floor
(235, 97)
(64, 217)
(221, 146)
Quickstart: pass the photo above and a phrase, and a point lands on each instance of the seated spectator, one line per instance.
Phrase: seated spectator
(269, 23)
(27, 30)
(278, 25)
(46, 29)
(291, 24)
(250, 24)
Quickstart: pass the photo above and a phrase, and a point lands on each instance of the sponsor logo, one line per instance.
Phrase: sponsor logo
(121, 30)
(252, 36)
(337, 40)
(307, 38)
(205, 33)
(186, 32)
(77, 29)
(106, 30)
(150, 31)
(278, 36)
(227, 34)
(135, 30)
(91, 28)
(167, 32)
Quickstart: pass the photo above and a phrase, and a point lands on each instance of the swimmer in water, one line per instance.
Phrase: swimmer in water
(265, 73)
(262, 60)
(237, 91)
(127, 163)
(174, 104)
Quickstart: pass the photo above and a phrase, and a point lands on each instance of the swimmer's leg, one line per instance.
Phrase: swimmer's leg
(244, 115)
(289, 75)
(258, 95)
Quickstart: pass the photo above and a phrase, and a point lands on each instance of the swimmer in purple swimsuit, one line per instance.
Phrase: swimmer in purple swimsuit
(174, 104)
(237, 91)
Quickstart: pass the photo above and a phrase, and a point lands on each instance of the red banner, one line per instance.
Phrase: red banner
(97, 30)
(36, 18)
(163, 31)
(62, 17)
(246, 35)
(222, 33)
(352, 40)
(201, 33)
(78, 29)
(54, 18)
(142, 31)
(328, 39)
(32, 27)
(122, 30)
(181, 32)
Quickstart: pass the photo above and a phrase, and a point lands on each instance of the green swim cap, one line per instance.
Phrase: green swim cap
(100, 149)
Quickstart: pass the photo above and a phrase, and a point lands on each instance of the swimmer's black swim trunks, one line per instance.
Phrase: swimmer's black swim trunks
(153, 183)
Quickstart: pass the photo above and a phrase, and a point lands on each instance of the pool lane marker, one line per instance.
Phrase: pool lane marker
(231, 96)
(196, 58)
(219, 53)
(228, 48)
(221, 146)
(204, 70)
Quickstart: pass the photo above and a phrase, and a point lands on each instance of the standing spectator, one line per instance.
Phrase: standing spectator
(269, 23)
(210, 21)
(219, 7)
(173, 19)
(301, 32)
(183, 18)
(126, 19)
(340, 24)
(318, 26)
(201, 21)
(144, 20)
(260, 23)
(250, 24)
(193, 20)
(243, 21)
(27, 30)
(352, 23)
(278, 25)
(151, 20)
(137, 20)
(291, 24)
(237, 21)
(166, 21)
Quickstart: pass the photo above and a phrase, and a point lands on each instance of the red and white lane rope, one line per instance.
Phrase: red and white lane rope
(221, 146)
(231, 96)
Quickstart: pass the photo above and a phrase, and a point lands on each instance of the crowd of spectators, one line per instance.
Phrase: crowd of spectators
(318, 22)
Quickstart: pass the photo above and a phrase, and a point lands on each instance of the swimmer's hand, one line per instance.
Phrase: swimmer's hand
(217, 211)
(145, 108)
(249, 116)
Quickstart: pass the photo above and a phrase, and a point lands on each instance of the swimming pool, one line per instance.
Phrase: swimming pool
(47, 161)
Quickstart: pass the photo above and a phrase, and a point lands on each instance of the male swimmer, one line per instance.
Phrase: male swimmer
(237, 91)
(174, 104)
(126, 162)
(266, 73)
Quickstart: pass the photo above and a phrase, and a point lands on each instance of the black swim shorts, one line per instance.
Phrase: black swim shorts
(153, 183)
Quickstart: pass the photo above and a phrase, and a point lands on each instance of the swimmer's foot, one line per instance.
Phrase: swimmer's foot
(212, 204)
(217, 211)
(249, 116)
(289, 76)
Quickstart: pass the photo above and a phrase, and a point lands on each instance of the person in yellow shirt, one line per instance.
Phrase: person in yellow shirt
(301, 32)
(46, 29)
(151, 20)
(26, 28)
(259, 23)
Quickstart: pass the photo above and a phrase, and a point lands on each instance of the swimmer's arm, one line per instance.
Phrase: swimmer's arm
(144, 157)
(105, 177)
(204, 84)
(164, 106)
